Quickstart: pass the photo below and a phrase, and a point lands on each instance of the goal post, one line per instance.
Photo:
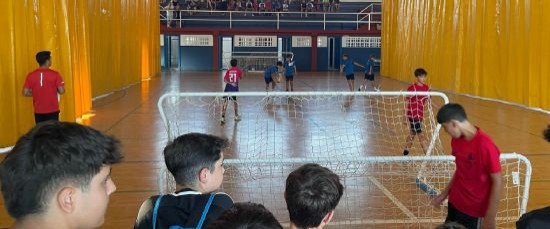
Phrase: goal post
(359, 135)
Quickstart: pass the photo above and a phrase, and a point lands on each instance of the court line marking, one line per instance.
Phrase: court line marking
(394, 199)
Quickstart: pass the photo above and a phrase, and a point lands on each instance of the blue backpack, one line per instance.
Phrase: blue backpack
(201, 221)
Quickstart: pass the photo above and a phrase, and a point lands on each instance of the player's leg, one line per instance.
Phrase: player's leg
(224, 108)
(409, 143)
(421, 137)
(292, 84)
(236, 106)
(287, 83)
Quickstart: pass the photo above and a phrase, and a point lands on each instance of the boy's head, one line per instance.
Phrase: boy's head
(279, 63)
(451, 225)
(372, 56)
(64, 170)
(233, 62)
(44, 58)
(546, 134)
(246, 216)
(451, 116)
(289, 57)
(345, 56)
(312, 193)
(196, 161)
(420, 75)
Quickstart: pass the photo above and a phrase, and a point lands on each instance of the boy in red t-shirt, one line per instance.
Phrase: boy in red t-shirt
(474, 190)
(231, 78)
(415, 110)
(43, 85)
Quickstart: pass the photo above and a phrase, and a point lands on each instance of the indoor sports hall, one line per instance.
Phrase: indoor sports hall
(148, 71)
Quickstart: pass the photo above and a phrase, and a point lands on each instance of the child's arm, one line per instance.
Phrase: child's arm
(490, 216)
(295, 70)
(436, 201)
(358, 64)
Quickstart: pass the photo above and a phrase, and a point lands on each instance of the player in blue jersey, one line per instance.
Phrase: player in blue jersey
(347, 66)
(290, 71)
(268, 75)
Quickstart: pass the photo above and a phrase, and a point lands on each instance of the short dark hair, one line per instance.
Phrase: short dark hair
(451, 225)
(279, 63)
(346, 55)
(451, 111)
(42, 57)
(50, 155)
(312, 191)
(189, 153)
(372, 56)
(546, 133)
(420, 72)
(246, 216)
(233, 62)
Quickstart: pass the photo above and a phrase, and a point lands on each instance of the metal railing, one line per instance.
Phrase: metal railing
(179, 17)
(369, 12)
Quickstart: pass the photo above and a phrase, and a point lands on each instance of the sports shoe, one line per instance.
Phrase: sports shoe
(377, 89)
(405, 152)
(222, 120)
(237, 118)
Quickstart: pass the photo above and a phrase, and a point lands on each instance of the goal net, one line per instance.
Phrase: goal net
(359, 135)
(257, 61)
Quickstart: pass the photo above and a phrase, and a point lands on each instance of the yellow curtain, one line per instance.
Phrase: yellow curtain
(492, 48)
(98, 46)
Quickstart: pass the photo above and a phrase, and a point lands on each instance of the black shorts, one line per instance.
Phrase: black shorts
(454, 215)
(416, 125)
(289, 78)
(369, 77)
(350, 77)
(54, 116)
(268, 80)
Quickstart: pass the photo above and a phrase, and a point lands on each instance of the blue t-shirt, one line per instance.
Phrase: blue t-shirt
(270, 71)
(289, 68)
(348, 66)
(370, 64)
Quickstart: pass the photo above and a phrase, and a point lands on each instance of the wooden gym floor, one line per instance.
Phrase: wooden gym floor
(132, 116)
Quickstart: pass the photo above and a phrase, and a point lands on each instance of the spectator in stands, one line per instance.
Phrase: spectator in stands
(539, 218)
(326, 5)
(58, 175)
(277, 6)
(249, 7)
(303, 8)
(285, 5)
(246, 216)
(196, 162)
(312, 193)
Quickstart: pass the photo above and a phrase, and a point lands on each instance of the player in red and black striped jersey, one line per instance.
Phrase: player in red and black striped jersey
(231, 80)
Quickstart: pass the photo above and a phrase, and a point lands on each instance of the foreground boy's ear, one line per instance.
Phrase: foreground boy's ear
(328, 218)
(203, 175)
(66, 199)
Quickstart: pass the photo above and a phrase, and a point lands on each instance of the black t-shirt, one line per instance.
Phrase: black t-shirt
(536, 219)
(184, 208)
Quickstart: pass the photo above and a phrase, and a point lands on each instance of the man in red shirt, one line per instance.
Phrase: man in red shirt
(415, 110)
(474, 191)
(44, 84)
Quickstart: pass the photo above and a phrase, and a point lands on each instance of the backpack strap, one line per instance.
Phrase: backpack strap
(205, 212)
(155, 211)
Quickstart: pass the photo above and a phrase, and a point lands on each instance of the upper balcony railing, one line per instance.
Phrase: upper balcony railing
(275, 20)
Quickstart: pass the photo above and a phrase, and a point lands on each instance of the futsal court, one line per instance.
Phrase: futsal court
(369, 199)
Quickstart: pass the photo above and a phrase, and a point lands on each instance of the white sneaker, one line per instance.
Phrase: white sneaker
(377, 89)
(237, 118)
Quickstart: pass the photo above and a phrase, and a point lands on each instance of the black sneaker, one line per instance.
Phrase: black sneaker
(405, 152)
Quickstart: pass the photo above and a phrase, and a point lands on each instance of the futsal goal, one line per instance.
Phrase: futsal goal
(257, 61)
(358, 135)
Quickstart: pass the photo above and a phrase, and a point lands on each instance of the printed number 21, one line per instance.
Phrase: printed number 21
(232, 77)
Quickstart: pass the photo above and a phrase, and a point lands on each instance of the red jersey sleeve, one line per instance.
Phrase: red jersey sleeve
(491, 157)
